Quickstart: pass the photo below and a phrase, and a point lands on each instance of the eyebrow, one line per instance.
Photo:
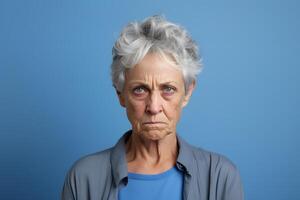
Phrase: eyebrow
(146, 84)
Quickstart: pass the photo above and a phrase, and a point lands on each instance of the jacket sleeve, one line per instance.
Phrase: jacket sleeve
(225, 182)
(233, 189)
(68, 190)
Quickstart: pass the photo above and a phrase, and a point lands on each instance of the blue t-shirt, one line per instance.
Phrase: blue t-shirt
(166, 185)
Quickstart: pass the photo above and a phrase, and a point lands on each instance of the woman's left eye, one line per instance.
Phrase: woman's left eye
(169, 90)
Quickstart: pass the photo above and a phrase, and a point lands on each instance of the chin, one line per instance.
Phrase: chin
(154, 134)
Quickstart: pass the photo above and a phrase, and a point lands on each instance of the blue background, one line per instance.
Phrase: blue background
(57, 103)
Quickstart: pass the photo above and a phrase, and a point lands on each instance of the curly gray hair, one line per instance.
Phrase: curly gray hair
(154, 35)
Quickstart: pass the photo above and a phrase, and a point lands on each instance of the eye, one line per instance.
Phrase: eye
(169, 90)
(140, 90)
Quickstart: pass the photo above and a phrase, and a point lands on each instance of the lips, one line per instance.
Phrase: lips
(154, 123)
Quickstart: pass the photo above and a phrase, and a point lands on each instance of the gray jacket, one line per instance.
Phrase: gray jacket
(207, 176)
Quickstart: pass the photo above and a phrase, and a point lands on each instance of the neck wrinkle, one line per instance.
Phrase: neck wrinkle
(152, 152)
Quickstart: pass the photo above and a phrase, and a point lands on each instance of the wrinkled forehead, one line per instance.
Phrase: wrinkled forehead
(153, 67)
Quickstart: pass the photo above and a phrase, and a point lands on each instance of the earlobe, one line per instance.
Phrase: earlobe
(188, 94)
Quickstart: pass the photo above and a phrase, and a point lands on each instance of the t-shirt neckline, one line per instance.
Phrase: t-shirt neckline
(162, 175)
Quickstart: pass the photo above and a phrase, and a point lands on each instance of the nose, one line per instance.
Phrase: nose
(154, 104)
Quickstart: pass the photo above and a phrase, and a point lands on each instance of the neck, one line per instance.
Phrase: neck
(151, 156)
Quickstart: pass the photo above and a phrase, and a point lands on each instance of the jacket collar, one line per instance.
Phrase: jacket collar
(118, 160)
(185, 160)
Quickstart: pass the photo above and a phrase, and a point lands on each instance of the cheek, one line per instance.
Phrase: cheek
(173, 110)
(135, 109)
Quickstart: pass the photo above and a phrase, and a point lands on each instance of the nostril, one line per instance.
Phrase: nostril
(153, 110)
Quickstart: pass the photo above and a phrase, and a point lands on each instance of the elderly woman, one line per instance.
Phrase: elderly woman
(154, 68)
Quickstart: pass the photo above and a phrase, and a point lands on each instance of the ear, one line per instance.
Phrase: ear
(121, 98)
(188, 94)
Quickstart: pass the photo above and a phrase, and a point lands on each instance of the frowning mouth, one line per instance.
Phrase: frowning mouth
(154, 123)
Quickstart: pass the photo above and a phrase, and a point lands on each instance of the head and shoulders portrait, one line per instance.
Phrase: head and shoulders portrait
(155, 64)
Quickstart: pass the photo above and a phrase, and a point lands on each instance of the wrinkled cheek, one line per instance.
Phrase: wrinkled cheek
(135, 112)
(137, 108)
(174, 113)
(175, 120)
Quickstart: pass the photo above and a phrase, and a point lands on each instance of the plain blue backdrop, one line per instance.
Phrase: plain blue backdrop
(57, 102)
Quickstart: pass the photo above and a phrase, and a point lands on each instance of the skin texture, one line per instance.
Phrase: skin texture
(153, 96)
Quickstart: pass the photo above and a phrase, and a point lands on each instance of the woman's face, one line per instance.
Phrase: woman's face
(154, 95)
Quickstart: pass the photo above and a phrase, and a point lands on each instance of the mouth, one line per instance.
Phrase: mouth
(154, 123)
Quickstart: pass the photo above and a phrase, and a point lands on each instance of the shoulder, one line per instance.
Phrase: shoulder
(218, 164)
(91, 165)
(223, 174)
(220, 172)
(93, 168)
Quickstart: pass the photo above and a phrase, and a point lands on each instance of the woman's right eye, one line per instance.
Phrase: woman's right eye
(139, 90)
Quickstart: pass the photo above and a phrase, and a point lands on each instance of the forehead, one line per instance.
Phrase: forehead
(153, 67)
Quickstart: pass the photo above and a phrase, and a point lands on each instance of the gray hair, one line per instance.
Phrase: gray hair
(154, 35)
